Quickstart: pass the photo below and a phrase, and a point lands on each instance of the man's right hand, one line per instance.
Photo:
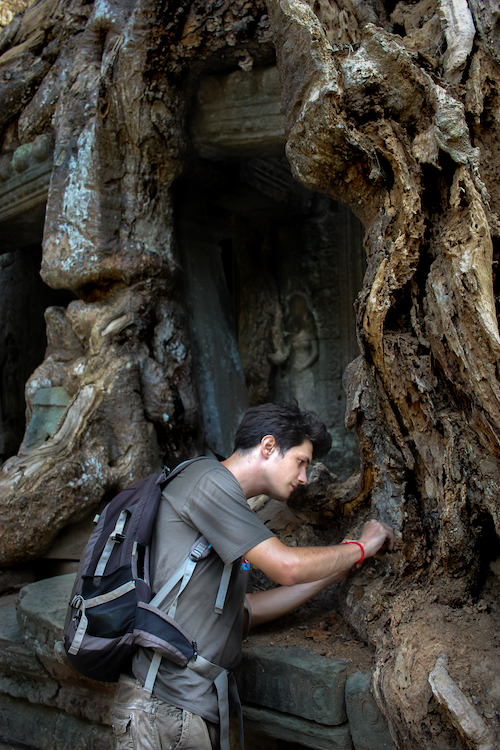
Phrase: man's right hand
(376, 535)
(291, 565)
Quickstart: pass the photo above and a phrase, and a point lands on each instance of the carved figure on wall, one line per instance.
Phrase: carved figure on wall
(297, 352)
(259, 318)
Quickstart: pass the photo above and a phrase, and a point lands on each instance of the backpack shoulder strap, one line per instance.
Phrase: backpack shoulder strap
(186, 569)
(168, 474)
(184, 572)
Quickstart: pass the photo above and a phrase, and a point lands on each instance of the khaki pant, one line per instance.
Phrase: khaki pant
(142, 722)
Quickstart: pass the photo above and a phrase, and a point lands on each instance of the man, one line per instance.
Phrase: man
(274, 445)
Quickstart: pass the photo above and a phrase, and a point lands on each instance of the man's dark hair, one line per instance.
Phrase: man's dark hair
(287, 423)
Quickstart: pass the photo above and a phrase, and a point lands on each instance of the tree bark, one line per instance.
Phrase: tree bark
(385, 116)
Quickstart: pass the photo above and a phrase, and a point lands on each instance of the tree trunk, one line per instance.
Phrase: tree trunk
(397, 114)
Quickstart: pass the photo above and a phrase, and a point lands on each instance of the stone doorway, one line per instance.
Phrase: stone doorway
(286, 266)
(272, 272)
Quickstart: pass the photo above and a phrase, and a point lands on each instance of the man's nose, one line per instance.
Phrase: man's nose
(303, 477)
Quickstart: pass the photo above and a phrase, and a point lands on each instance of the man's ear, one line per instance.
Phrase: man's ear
(268, 445)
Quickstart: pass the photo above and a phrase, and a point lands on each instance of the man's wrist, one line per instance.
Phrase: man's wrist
(360, 545)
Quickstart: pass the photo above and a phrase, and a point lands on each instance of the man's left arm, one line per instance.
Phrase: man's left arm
(273, 603)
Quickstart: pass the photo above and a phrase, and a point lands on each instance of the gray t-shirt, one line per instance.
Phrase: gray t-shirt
(205, 498)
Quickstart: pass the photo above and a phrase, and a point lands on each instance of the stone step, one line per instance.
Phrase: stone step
(294, 681)
(287, 693)
(31, 670)
(44, 728)
(292, 729)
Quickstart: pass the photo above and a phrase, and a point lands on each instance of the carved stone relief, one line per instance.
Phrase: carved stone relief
(239, 115)
(299, 351)
(25, 177)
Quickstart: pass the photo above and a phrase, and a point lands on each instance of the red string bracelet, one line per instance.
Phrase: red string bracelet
(360, 546)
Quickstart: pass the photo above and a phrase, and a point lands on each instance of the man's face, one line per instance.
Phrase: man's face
(287, 471)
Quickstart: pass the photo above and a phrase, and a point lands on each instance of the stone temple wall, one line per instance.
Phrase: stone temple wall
(293, 261)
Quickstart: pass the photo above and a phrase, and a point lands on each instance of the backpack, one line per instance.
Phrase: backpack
(111, 612)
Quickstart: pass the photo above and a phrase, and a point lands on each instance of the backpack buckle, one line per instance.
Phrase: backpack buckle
(201, 550)
(117, 537)
(164, 475)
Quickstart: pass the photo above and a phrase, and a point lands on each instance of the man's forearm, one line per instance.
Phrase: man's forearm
(274, 603)
(296, 565)
(292, 565)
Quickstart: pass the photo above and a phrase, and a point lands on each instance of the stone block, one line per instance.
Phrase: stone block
(43, 675)
(239, 115)
(295, 682)
(292, 729)
(79, 695)
(23, 676)
(42, 607)
(42, 728)
(368, 727)
(9, 628)
(95, 705)
(21, 673)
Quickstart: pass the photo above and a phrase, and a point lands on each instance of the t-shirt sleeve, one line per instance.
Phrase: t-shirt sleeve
(218, 508)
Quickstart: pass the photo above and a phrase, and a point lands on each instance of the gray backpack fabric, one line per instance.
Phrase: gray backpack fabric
(111, 612)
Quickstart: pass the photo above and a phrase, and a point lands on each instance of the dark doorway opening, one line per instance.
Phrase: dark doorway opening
(289, 264)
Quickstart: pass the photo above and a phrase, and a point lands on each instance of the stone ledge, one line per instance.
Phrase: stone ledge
(292, 729)
(38, 687)
(294, 682)
(25, 177)
(32, 669)
(23, 676)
